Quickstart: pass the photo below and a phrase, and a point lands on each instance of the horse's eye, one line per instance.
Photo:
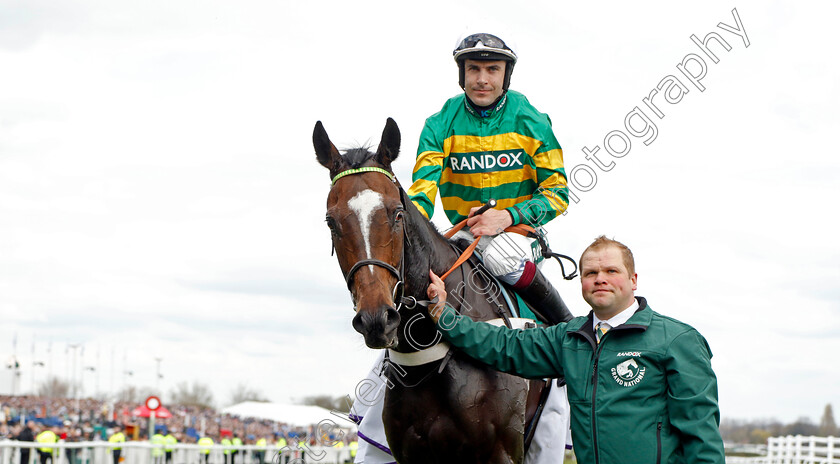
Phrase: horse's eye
(331, 223)
(398, 215)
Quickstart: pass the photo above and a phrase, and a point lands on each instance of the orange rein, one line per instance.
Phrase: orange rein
(520, 229)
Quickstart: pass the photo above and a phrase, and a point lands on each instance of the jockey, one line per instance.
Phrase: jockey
(491, 143)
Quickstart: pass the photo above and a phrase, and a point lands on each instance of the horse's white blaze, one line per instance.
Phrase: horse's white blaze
(363, 205)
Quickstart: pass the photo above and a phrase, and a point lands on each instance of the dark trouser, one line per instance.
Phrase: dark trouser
(259, 455)
(207, 458)
(116, 454)
(71, 455)
(45, 456)
(24, 456)
(168, 456)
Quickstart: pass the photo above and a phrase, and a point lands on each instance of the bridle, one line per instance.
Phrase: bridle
(398, 293)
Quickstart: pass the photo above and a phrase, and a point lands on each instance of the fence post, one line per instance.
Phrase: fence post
(773, 450)
(789, 449)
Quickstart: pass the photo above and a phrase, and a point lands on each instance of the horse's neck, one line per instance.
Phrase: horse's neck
(430, 250)
(425, 249)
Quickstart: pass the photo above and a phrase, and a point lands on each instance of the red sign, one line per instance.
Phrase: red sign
(153, 403)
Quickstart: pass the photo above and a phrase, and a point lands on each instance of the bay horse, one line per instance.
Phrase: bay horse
(449, 410)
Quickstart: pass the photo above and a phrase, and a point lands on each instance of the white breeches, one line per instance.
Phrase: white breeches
(505, 254)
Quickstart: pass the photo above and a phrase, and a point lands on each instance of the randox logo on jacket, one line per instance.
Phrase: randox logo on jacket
(466, 163)
(628, 373)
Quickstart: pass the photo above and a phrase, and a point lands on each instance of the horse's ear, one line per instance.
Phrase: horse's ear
(389, 147)
(325, 151)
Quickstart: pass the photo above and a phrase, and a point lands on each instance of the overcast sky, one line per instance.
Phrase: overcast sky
(160, 198)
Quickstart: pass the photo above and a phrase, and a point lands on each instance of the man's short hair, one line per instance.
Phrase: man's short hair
(603, 242)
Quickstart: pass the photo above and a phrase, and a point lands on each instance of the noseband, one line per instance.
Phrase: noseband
(398, 294)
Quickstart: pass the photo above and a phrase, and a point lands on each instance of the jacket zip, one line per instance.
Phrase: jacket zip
(658, 442)
(596, 348)
(594, 389)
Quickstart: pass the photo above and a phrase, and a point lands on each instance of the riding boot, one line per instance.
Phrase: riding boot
(541, 296)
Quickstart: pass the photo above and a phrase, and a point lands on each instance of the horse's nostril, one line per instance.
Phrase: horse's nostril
(392, 319)
(358, 323)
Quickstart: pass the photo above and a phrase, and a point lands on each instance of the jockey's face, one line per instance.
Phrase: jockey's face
(483, 80)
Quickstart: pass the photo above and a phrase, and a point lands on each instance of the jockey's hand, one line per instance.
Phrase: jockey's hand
(492, 222)
(436, 289)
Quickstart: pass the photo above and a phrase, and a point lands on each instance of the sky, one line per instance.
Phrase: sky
(161, 207)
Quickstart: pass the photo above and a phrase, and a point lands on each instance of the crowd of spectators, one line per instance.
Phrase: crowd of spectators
(92, 420)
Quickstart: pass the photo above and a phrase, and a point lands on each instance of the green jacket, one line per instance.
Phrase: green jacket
(510, 155)
(646, 394)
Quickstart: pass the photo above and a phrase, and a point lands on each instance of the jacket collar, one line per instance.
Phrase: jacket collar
(640, 320)
(489, 113)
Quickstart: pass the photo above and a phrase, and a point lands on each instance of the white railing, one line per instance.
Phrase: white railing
(143, 452)
(796, 450)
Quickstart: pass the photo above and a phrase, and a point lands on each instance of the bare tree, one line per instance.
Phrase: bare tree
(243, 393)
(54, 387)
(828, 428)
(128, 394)
(338, 403)
(802, 426)
(132, 394)
(196, 395)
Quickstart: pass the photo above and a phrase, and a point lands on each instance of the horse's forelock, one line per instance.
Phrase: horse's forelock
(357, 156)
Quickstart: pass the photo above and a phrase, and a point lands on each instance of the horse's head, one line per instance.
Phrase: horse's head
(365, 215)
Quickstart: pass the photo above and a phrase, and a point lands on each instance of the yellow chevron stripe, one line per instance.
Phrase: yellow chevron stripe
(426, 187)
(553, 181)
(463, 207)
(549, 158)
(472, 143)
(428, 158)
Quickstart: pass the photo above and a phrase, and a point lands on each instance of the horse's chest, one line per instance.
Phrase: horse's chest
(461, 410)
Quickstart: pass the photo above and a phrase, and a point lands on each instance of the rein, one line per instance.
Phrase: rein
(520, 229)
(440, 350)
(410, 302)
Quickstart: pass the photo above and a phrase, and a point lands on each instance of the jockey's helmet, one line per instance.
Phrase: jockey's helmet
(484, 47)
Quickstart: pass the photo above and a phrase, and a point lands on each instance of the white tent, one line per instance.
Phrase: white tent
(293, 414)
